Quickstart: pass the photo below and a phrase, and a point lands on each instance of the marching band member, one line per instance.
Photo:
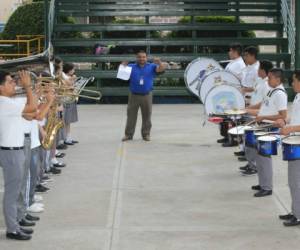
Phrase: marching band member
(12, 157)
(273, 107)
(70, 109)
(293, 219)
(261, 89)
(236, 66)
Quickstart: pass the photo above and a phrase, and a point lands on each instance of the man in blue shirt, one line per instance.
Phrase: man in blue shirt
(140, 96)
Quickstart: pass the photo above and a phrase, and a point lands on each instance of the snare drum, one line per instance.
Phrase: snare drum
(291, 148)
(236, 134)
(215, 78)
(223, 97)
(250, 138)
(267, 145)
(196, 72)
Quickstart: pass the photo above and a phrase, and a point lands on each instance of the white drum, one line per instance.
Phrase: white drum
(215, 78)
(223, 97)
(239, 130)
(197, 70)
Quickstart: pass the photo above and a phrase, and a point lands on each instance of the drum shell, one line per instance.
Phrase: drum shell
(250, 138)
(267, 148)
(290, 152)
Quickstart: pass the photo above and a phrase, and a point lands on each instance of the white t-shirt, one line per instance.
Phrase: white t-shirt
(236, 66)
(35, 139)
(11, 122)
(275, 101)
(295, 116)
(250, 74)
(26, 123)
(261, 89)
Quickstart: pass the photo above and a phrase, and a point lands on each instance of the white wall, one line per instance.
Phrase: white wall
(7, 8)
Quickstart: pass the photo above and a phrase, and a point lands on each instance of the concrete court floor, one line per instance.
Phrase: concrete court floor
(181, 191)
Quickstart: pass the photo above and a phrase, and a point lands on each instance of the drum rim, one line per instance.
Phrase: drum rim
(190, 65)
(259, 139)
(237, 134)
(201, 85)
(205, 102)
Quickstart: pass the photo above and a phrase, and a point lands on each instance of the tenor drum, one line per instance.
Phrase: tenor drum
(215, 78)
(250, 138)
(236, 134)
(267, 145)
(291, 148)
(196, 72)
(223, 97)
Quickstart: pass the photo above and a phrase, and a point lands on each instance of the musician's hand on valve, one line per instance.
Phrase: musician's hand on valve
(50, 96)
(25, 79)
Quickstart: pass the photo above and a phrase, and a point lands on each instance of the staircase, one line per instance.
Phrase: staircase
(82, 24)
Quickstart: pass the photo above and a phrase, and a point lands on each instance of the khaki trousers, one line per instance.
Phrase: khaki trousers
(135, 102)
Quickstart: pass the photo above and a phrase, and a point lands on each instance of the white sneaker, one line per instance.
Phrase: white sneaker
(35, 208)
(38, 198)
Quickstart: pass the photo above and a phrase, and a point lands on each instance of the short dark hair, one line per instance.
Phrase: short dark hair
(68, 67)
(236, 47)
(278, 73)
(141, 52)
(251, 50)
(3, 75)
(266, 65)
(297, 74)
(57, 61)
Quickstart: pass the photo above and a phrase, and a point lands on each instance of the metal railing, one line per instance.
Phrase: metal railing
(289, 29)
(23, 45)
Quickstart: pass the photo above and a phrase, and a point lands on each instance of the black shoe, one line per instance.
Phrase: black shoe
(41, 189)
(223, 140)
(61, 147)
(263, 193)
(68, 143)
(59, 165)
(286, 217)
(25, 223)
(249, 172)
(292, 222)
(60, 155)
(228, 145)
(127, 138)
(240, 153)
(46, 178)
(26, 231)
(245, 167)
(30, 217)
(54, 170)
(257, 187)
(75, 142)
(18, 236)
(242, 159)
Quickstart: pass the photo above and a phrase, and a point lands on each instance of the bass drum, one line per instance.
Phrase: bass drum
(223, 97)
(197, 70)
(217, 78)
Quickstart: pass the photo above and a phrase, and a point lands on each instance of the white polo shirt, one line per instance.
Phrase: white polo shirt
(261, 89)
(276, 100)
(236, 66)
(26, 123)
(295, 115)
(250, 74)
(11, 123)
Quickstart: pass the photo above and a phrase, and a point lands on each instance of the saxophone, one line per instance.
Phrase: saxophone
(53, 125)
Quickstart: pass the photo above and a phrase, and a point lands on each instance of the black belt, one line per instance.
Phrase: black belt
(12, 148)
(27, 135)
(141, 94)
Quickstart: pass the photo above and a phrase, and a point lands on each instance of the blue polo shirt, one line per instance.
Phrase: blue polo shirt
(141, 78)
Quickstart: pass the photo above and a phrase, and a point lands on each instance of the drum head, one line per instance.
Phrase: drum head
(197, 70)
(267, 138)
(239, 130)
(215, 78)
(292, 140)
(223, 97)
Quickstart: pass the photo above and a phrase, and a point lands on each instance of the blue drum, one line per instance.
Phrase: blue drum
(267, 145)
(250, 138)
(291, 148)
